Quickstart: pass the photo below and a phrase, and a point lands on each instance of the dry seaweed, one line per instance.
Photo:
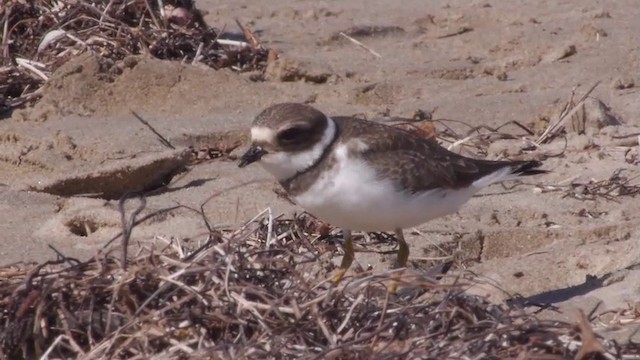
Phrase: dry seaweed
(617, 185)
(258, 292)
(39, 36)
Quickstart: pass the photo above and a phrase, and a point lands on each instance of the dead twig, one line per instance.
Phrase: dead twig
(162, 139)
(553, 128)
(462, 30)
(375, 53)
(128, 224)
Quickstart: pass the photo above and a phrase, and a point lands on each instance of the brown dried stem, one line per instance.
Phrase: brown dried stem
(237, 298)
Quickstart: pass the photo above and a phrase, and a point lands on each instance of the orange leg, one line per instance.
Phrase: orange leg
(347, 260)
(402, 259)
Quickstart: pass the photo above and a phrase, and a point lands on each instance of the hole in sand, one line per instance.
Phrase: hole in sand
(82, 226)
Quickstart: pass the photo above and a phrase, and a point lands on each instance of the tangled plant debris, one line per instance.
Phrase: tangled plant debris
(39, 36)
(617, 185)
(257, 293)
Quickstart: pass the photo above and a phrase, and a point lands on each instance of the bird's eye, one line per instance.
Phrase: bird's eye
(291, 134)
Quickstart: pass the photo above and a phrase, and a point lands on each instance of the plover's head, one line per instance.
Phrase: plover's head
(288, 138)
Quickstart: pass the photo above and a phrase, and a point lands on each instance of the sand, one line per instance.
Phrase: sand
(480, 62)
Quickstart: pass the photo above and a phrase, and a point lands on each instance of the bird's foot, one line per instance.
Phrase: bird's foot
(393, 284)
(339, 275)
(347, 260)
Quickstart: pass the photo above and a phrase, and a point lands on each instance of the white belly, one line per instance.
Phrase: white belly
(352, 196)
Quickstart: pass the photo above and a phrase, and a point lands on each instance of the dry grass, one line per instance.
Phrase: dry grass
(259, 292)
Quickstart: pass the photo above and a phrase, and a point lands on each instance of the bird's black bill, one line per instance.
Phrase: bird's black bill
(252, 155)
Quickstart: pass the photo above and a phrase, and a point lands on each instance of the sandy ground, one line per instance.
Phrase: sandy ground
(480, 62)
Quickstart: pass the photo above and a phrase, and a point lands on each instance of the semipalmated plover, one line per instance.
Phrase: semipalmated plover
(361, 175)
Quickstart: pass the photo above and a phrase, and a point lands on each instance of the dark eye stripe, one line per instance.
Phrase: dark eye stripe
(293, 134)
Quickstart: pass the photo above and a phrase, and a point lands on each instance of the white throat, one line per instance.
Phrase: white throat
(284, 165)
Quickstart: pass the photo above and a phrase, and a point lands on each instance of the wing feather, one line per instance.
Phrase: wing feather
(415, 163)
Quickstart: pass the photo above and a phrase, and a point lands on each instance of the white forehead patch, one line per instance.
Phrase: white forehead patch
(262, 134)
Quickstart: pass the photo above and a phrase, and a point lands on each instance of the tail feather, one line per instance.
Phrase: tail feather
(527, 168)
(508, 171)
